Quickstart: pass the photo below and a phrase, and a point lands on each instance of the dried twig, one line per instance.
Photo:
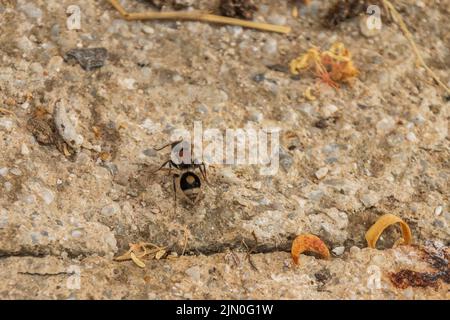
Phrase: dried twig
(399, 20)
(196, 16)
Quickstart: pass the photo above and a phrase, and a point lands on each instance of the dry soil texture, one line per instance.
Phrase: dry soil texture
(379, 146)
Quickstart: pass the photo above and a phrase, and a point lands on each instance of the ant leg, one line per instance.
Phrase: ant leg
(168, 144)
(202, 168)
(164, 163)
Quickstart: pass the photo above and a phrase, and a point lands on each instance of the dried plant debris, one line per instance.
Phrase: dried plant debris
(44, 127)
(408, 278)
(438, 258)
(381, 224)
(323, 277)
(195, 15)
(88, 58)
(42, 130)
(308, 243)
(238, 8)
(331, 67)
(344, 10)
(140, 250)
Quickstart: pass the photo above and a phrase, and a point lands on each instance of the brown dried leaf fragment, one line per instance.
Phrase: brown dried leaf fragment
(238, 8)
(308, 243)
(42, 130)
(382, 223)
(408, 278)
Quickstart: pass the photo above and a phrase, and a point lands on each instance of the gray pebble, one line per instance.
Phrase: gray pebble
(286, 160)
(88, 58)
(31, 10)
(259, 77)
(111, 209)
(194, 273)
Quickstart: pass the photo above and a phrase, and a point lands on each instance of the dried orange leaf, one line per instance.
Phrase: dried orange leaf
(382, 223)
(311, 243)
(136, 260)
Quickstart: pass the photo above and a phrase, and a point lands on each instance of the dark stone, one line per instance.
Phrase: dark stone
(88, 58)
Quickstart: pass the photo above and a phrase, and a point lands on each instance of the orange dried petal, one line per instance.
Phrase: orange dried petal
(382, 223)
(310, 243)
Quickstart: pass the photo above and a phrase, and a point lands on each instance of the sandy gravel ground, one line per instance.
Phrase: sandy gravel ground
(378, 146)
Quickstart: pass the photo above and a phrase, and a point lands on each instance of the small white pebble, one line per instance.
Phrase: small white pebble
(277, 19)
(8, 186)
(385, 125)
(378, 260)
(177, 78)
(150, 126)
(29, 199)
(127, 83)
(25, 105)
(438, 210)
(3, 171)
(6, 124)
(271, 47)
(411, 137)
(338, 250)
(24, 150)
(329, 110)
(47, 195)
(354, 250)
(147, 29)
(408, 293)
(77, 233)
(73, 22)
(321, 173)
(420, 4)
(257, 185)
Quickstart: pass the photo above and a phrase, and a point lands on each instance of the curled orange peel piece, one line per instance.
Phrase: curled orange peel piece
(382, 223)
(310, 243)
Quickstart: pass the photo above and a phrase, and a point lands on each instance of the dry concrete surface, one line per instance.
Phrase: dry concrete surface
(378, 146)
